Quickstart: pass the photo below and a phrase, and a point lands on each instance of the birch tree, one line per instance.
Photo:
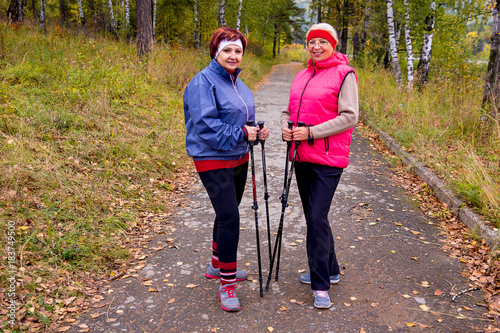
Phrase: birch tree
(392, 43)
(238, 16)
(112, 19)
(42, 16)
(80, 11)
(491, 95)
(127, 18)
(426, 50)
(409, 47)
(154, 19)
(196, 19)
(221, 13)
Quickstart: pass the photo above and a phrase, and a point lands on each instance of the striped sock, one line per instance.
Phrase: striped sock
(215, 256)
(227, 272)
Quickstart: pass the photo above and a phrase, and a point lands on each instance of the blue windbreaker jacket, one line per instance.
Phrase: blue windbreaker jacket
(216, 107)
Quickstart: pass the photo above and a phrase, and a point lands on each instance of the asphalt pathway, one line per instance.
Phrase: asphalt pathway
(395, 276)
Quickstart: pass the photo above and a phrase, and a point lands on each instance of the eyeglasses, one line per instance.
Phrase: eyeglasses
(321, 43)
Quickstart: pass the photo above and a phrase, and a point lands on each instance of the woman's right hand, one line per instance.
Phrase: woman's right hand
(251, 132)
(287, 134)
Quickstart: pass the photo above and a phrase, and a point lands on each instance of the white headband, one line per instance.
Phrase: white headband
(223, 43)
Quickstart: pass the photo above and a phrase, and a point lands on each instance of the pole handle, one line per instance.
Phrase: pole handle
(261, 126)
(250, 123)
(290, 124)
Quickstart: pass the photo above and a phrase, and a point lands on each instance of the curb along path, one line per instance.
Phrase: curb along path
(395, 276)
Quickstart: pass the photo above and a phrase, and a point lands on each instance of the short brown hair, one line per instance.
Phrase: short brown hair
(225, 33)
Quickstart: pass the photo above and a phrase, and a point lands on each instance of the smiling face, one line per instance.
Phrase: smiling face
(319, 49)
(230, 57)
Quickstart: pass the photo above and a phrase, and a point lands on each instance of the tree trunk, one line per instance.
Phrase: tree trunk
(265, 34)
(196, 19)
(112, 19)
(426, 51)
(14, 12)
(154, 19)
(275, 39)
(127, 19)
(33, 8)
(392, 43)
(319, 17)
(409, 47)
(221, 13)
(42, 16)
(238, 17)
(344, 34)
(80, 10)
(491, 95)
(62, 10)
(144, 29)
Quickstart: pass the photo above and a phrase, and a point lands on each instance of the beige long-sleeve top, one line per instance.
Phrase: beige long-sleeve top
(348, 111)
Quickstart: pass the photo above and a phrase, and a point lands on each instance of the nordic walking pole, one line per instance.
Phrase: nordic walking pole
(297, 143)
(283, 206)
(266, 194)
(255, 206)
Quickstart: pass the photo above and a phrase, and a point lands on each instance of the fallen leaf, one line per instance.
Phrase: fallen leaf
(95, 315)
(399, 224)
(415, 292)
(347, 304)
(425, 284)
(406, 296)
(415, 232)
(270, 329)
(179, 263)
(283, 308)
(170, 301)
(438, 292)
(353, 298)
(424, 307)
(152, 290)
(374, 305)
(147, 283)
(414, 258)
(191, 285)
(423, 326)
(410, 324)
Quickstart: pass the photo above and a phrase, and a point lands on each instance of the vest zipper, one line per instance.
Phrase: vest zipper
(327, 145)
(301, 96)
(236, 91)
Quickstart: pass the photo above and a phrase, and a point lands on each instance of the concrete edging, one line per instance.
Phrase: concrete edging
(464, 213)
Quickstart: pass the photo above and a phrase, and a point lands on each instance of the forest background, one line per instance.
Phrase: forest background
(91, 121)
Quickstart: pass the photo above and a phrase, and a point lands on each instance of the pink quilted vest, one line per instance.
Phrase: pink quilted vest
(314, 100)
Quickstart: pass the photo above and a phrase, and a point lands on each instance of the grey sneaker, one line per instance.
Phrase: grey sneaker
(322, 299)
(228, 299)
(214, 273)
(306, 278)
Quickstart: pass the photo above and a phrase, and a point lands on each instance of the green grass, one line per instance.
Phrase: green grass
(89, 140)
(442, 126)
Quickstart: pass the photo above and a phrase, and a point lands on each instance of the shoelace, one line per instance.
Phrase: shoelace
(321, 293)
(229, 289)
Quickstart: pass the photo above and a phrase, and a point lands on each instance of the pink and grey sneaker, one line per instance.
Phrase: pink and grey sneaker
(228, 299)
(214, 273)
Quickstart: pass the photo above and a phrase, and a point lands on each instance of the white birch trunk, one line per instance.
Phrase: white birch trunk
(154, 19)
(221, 13)
(112, 17)
(426, 51)
(238, 17)
(196, 31)
(127, 16)
(42, 15)
(409, 47)
(80, 10)
(392, 43)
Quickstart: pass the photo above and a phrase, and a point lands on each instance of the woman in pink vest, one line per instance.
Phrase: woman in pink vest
(325, 97)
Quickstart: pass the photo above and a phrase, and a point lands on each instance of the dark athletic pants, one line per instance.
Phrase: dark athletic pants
(317, 184)
(225, 188)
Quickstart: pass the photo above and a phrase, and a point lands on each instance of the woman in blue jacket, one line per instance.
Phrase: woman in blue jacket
(217, 106)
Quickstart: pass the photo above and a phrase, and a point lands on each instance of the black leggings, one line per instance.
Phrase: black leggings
(317, 184)
(225, 188)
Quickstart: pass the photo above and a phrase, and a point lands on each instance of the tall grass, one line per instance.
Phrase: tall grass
(442, 125)
(89, 140)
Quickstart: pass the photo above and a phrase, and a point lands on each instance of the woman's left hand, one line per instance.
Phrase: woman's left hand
(300, 133)
(263, 133)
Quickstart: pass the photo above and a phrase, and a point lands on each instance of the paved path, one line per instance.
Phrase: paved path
(395, 276)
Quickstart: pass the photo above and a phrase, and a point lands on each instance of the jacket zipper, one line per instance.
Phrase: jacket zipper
(300, 103)
(236, 91)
